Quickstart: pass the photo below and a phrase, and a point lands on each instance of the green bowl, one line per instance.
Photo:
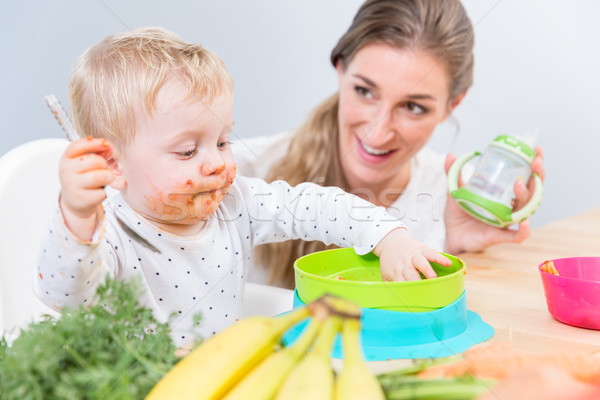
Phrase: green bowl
(343, 273)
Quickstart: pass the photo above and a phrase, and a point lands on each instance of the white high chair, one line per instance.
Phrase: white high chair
(29, 188)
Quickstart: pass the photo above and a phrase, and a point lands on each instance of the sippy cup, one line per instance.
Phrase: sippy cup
(488, 195)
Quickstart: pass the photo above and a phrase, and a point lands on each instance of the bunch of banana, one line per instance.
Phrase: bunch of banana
(211, 369)
(313, 377)
(356, 380)
(264, 381)
(243, 361)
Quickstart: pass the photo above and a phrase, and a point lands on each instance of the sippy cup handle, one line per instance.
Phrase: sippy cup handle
(454, 171)
(532, 204)
(509, 217)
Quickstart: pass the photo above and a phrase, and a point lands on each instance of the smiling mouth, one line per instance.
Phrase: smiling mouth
(372, 151)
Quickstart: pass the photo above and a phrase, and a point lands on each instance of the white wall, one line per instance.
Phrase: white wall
(537, 66)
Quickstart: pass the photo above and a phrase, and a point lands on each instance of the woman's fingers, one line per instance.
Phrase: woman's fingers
(537, 167)
(523, 191)
(521, 194)
(514, 236)
(450, 158)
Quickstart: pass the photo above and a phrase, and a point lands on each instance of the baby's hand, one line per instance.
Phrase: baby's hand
(402, 257)
(84, 172)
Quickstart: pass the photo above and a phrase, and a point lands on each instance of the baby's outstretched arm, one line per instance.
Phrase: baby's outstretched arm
(84, 172)
(402, 257)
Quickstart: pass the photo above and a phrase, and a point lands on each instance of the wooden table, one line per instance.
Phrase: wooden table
(504, 287)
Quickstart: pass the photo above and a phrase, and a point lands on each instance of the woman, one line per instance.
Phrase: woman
(403, 66)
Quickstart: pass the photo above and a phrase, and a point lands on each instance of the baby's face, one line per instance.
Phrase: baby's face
(179, 166)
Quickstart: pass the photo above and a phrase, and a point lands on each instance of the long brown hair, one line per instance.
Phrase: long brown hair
(439, 27)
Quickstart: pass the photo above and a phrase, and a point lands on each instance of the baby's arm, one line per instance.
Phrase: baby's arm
(71, 261)
(84, 173)
(68, 270)
(311, 212)
(307, 211)
(402, 257)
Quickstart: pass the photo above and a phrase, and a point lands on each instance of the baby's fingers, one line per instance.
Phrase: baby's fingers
(95, 179)
(411, 274)
(434, 256)
(81, 147)
(85, 162)
(420, 262)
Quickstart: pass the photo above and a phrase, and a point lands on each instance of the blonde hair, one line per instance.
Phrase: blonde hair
(440, 27)
(124, 73)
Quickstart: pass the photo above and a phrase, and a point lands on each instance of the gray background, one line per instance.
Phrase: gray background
(537, 66)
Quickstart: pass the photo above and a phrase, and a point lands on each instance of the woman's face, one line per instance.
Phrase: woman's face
(390, 102)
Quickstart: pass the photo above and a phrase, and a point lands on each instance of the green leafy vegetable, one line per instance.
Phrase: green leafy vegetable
(113, 349)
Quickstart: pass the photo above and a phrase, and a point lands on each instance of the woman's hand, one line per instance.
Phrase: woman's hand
(84, 172)
(402, 257)
(465, 233)
(524, 192)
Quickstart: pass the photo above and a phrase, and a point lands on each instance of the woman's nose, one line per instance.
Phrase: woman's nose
(382, 128)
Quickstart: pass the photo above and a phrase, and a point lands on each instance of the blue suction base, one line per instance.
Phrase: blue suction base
(389, 335)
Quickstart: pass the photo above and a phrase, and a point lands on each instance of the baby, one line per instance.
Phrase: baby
(157, 114)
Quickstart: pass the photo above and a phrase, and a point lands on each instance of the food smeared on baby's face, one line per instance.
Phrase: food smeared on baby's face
(179, 166)
(193, 201)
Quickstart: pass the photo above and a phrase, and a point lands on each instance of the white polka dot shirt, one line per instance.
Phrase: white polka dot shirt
(204, 273)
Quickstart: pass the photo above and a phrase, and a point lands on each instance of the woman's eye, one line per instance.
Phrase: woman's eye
(416, 109)
(363, 92)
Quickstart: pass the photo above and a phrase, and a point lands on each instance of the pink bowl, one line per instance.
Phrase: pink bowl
(573, 297)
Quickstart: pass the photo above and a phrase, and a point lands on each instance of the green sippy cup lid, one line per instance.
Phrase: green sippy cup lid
(515, 145)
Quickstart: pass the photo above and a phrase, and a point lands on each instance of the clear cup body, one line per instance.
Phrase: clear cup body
(495, 174)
